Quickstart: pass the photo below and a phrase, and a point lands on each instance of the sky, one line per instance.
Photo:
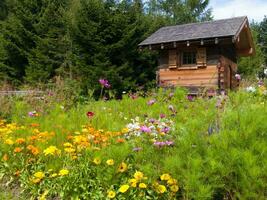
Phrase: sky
(253, 9)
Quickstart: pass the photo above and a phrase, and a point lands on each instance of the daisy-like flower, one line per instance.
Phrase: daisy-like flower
(133, 182)
(174, 188)
(111, 194)
(138, 175)
(39, 175)
(52, 150)
(110, 162)
(97, 161)
(161, 189)
(122, 167)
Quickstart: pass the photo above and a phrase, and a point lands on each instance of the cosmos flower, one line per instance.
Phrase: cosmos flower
(151, 102)
(238, 77)
(145, 129)
(104, 83)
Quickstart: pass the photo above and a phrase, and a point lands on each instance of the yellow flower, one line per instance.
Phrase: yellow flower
(161, 189)
(69, 150)
(97, 161)
(52, 150)
(110, 162)
(9, 141)
(133, 182)
(142, 185)
(5, 157)
(43, 196)
(174, 188)
(63, 172)
(53, 175)
(36, 180)
(111, 194)
(39, 175)
(165, 177)
(172, 181)
(122, 167)
(138, 175)
(67, 144)
(124, 188)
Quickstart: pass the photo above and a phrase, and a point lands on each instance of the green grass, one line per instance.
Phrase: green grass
(218, 153)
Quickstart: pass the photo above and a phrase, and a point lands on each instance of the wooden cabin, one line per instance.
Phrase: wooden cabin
(201, 55)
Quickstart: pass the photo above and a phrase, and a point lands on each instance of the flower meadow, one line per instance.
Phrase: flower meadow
(165, 145)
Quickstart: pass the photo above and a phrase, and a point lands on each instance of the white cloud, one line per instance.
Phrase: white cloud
(254, 9)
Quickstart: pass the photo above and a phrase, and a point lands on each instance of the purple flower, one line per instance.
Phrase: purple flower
(151, 102)
(171, 94)
(165, 129)
(260, 83)
(152, 120)
(159, 144)
(190, 97)
(162, 115)
(104, 83)
(137, 149)
(32, 114)
(145, 129)
(238, 77)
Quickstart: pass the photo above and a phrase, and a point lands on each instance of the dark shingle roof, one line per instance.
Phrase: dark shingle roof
(210, 29)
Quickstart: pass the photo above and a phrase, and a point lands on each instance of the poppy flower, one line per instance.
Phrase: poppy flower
(90, 114)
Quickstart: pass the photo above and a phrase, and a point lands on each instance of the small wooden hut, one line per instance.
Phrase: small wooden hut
(201, 55)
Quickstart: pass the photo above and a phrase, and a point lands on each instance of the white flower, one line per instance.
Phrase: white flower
(265, 71)
(251, 89)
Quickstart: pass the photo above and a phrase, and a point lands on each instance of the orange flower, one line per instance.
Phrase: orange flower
(35, 125)
(17, 150)
(120, 140)
(5, 157)
(20, 140)
(17, 173)
(34, 150)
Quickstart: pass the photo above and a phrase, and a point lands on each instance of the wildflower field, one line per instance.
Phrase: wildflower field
(166, 145)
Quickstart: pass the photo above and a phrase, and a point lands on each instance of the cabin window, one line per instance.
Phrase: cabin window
(189, 58)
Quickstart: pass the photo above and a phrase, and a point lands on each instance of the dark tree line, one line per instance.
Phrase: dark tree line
(84, 40)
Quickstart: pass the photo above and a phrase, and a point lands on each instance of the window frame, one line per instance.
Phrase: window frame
(191, 65)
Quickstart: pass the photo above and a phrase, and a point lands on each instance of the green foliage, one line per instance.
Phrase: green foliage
(219, 152)
(253, 65)
(85, 40)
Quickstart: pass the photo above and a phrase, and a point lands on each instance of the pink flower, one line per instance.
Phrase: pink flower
(190, 97)
(104, 83)
(238, 77)
(151, 102)
(145, 129)
(162, 115)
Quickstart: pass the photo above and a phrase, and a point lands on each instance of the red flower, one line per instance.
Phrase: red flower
(90, 114)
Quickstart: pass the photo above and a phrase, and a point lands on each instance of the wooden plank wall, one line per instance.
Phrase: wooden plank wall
(201, 77)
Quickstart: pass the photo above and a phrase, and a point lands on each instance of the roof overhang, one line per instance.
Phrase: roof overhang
(241, 38)
(243, 41)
